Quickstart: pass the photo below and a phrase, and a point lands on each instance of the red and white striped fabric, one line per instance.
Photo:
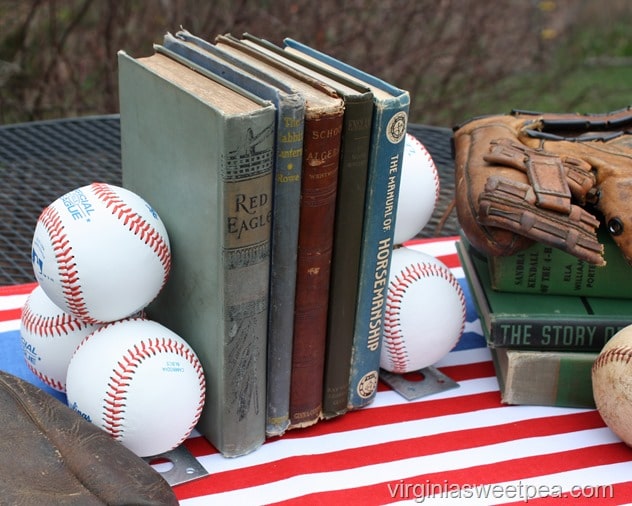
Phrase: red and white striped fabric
(459, 446)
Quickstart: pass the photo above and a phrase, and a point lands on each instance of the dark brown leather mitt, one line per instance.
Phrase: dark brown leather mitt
(551, 178)
(49, 455)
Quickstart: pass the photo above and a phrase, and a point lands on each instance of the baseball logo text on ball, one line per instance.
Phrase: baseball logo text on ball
(140, 382)
(100, 253)
(50, 337)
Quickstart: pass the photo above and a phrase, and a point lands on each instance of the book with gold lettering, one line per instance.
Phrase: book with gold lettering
(324, 114)
(540, 322)
(348, 239)
(388, 129)
(290, 107)
(201, 150)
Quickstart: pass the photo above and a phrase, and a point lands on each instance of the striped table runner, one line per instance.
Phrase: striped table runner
(461, 446)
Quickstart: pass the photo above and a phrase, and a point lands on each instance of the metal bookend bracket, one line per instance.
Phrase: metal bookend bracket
(426, 381)
(179, 466)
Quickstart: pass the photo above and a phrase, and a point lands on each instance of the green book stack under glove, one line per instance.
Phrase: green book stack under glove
(543, 346)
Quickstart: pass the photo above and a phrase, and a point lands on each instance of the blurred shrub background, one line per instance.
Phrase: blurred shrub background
(458, 58)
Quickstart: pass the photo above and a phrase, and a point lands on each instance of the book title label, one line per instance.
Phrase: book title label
(248, 215)
(389, 208)
(380, 285)
(554, 335)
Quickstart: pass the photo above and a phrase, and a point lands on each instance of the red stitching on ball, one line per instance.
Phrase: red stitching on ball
(135, 223)
(393, 336)
(618, 354)
(435, 172)
(67, 268)
(50, 326)
(56, 384)
(122, 375)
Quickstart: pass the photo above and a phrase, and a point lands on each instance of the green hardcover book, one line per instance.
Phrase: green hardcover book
(290, 108)
(545, 378)
(544, 269)
(345, 261)
(201, 150)
(540, 322)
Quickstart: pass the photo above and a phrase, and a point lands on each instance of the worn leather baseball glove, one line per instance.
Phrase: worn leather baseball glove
(552, 178)
(50, 455)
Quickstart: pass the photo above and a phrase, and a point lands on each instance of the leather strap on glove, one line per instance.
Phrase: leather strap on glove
(551, 178)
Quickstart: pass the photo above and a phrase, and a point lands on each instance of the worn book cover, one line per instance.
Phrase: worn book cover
(290, 108)
(540, 322)
(324, 112)
(545, 378)
(388, 130)
(345, 262)
(201, 150)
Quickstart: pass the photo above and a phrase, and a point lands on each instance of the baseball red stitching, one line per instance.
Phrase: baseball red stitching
(122, 375)
(135, 224)
(393, 336)
(435, 173)
(617, 354)
(50, 326)
(57, 385)
(68, 274)
(67, 267)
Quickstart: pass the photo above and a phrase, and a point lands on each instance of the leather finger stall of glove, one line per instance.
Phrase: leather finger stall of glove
(551, 178)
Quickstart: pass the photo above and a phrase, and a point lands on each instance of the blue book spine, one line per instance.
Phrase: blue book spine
(285, 215)
(385, 162)
(375, 258)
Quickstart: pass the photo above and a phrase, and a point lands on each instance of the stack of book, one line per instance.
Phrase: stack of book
(546, 315)
(276, 171)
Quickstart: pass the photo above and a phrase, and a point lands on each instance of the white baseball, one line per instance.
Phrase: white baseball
(425, 312)
(100, 252)
(138, 381)
(612, 384)
(49, 338)
(418, 191)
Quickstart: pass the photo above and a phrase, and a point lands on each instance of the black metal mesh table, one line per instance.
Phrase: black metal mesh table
(40, 161)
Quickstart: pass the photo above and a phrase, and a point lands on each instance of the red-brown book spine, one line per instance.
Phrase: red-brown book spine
(321, 156)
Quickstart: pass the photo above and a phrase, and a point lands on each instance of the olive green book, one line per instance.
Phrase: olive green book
(200, 150)
(542, 269)
(540, 322)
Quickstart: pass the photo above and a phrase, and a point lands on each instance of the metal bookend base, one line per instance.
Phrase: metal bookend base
(426, 381)
(182, 465)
